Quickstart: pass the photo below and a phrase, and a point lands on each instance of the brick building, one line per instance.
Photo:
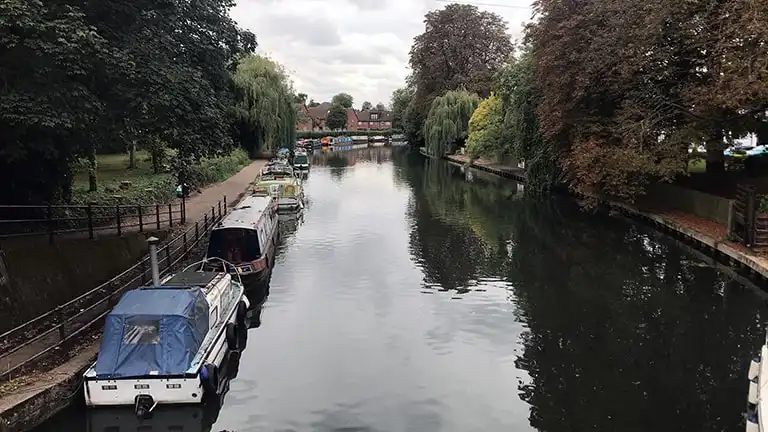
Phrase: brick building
(313, 118)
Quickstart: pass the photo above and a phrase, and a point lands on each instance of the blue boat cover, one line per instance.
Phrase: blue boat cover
(153, 332)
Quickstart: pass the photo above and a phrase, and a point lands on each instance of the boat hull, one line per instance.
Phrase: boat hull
(289, 203)
(163, 390)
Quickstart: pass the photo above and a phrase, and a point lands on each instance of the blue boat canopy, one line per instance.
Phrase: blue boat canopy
(155, 331)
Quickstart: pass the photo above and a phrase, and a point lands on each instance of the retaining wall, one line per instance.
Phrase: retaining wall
(36, 278)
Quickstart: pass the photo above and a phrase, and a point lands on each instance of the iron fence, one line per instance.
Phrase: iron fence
(54, 220)
(30, 344)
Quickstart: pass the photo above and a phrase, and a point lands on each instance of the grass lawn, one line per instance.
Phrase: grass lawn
(113, 168)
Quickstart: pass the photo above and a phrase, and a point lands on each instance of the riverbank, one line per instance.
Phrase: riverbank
(703, 233)
(28, 400)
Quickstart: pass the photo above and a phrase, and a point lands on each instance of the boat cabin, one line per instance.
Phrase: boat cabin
(245, 235)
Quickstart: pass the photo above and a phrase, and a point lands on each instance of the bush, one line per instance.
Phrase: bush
(321, 134)
(214, 170)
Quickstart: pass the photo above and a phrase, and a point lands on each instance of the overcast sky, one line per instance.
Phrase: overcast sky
(354, 46)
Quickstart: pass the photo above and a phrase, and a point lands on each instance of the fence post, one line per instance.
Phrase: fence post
(225, 203)
(213, 214)
(119, 227)
(60, 319)
(141, 221)
(185, 242)
(219, 204)
(183, 208)
(197, 232)
(205, 222)
(51, 229)
(157, 215)
(170, 215)
(89, 211)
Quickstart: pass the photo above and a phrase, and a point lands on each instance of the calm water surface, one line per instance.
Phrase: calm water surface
(410, 296)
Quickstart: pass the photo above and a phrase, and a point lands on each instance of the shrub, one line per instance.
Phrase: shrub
(214, 170)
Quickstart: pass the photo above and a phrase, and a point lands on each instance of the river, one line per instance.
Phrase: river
(411, 296)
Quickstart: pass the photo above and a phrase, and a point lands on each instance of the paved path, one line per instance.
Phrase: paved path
(199, 204)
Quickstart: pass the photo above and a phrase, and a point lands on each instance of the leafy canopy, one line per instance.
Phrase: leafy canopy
(446, 125)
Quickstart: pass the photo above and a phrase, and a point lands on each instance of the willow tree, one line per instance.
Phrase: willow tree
(264, 108)
(447, 121)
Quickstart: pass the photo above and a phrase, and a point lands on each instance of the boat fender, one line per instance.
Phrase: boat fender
(752, 423)
(209, 378)
(752, 395)
(232, 337)
(754, 367)
(242, 313)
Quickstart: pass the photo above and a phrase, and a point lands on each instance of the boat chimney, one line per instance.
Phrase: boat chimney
(153, 260)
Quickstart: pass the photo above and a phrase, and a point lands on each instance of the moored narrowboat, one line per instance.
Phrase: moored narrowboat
(247, 238)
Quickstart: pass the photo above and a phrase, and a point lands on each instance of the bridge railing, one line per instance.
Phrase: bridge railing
(52, 335)
(56, 220)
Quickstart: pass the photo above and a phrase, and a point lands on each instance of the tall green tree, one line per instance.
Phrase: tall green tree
(337, 117)
(399, 102)
(485, 130)
(381, 107)
(366, 105)
(343, 99)
(445, 128)
(521, 134)
(264, 105)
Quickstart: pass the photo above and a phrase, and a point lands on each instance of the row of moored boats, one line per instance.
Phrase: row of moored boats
(166, 343)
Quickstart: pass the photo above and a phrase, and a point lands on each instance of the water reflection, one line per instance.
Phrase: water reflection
(626, 330)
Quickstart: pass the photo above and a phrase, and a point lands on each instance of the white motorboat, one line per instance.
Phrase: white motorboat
(757, 394)
(165, 343)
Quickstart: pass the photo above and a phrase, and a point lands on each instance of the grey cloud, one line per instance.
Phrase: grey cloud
(311, 30)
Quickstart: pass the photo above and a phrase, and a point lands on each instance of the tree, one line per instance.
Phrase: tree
(381, 107)
(485, 130)
(446, 125)
(366, 105)
(461, 48)
(400, 100)
(301, 98)
(264, 105)
(343, 99)
(337, 117)
(312, 103)
(521, 136)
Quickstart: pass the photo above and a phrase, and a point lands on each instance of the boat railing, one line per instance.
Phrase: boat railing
(227, 266)
(49, 337)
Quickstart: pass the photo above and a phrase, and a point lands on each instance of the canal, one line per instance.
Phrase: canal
(411, 296)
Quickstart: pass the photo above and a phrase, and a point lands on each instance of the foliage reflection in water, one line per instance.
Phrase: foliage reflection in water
(413, 295)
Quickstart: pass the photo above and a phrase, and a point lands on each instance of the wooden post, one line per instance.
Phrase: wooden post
(225, 203)
(205, 222)
(185, 242)
(141, 222)
(157, 215)
(197, 232)
(170, 215)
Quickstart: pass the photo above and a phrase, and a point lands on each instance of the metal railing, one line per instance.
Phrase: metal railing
(53, 220)
(29, 345)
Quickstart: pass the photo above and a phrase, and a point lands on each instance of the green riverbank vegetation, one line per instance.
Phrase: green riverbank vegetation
(608, 107)
(175, 83)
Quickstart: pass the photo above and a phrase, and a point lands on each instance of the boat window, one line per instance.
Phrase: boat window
(235, 245)
(141, 331)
